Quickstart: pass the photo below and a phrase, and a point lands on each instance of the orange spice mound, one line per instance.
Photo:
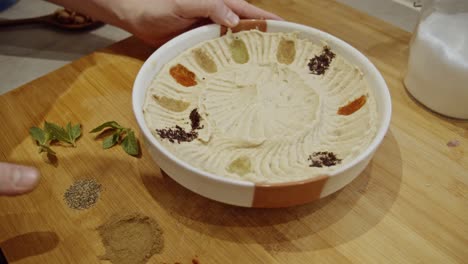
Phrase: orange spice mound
(353, 106)
(183, 75)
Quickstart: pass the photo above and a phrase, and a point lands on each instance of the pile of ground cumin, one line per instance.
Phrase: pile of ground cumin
(131, 239)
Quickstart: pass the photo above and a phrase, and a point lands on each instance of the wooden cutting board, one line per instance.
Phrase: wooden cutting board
(410, 204)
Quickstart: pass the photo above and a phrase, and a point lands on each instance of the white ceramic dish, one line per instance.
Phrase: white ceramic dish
(249, 194)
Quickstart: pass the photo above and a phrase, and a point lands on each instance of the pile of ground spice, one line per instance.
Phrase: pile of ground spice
(319, 64)
(195, 119)
(82, 194)
(324, 158)
(183, 76)
(179, 134)
(353, 106)
(131, 239)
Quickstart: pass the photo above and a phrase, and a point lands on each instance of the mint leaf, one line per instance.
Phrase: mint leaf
(47, 149)
(69, 134)
(111, 140)
(39, 135)
(110, 124)
(43, 140)
(76, 132)
(56, 132)
(73, 133)
(130, 144)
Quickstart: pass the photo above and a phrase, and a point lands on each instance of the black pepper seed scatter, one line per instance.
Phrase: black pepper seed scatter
(178, 134)
(82, 194)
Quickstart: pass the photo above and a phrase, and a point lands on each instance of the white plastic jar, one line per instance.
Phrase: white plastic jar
(438, 64)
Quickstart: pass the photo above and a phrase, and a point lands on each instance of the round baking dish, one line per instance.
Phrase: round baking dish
(249, 194)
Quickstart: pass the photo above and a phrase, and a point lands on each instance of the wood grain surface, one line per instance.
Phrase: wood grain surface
(409, 206)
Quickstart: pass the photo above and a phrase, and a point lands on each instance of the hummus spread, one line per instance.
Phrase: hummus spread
(262, 107)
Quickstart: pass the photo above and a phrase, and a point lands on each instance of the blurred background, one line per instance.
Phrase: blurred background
(28, 52)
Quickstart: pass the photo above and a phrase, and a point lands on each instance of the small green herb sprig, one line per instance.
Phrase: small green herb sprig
(53, 133)
(120, 135)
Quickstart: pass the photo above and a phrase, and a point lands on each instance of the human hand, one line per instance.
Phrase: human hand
(156, 21)
(17, 179)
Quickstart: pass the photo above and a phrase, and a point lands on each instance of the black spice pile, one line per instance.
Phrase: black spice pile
(324, 158)
(82, 194)
(179, 134)
(319, 64)
(195, 118)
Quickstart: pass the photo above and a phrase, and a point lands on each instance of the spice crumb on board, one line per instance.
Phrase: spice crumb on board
(453, 143)
(82, 194)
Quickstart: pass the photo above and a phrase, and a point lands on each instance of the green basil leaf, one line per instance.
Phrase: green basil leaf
(43, 148)
(56, 132)
(110, 124)
(111, 140)
(74, 132)
(130, 144)
(38, 134)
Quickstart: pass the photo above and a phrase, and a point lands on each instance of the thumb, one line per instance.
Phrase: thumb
(217, 10)
(17, 179)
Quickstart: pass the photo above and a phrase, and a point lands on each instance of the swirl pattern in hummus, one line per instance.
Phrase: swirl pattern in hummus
(263, 114)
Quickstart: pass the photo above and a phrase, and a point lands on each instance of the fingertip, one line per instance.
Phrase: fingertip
(17, 179)
(272, 16)
(248, 10)
(275, 17)
(28, 179)
(232, 19)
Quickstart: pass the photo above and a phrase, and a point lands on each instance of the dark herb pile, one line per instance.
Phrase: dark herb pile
(324, 158)
(179, 134)
(319, 64)
(195, 118)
